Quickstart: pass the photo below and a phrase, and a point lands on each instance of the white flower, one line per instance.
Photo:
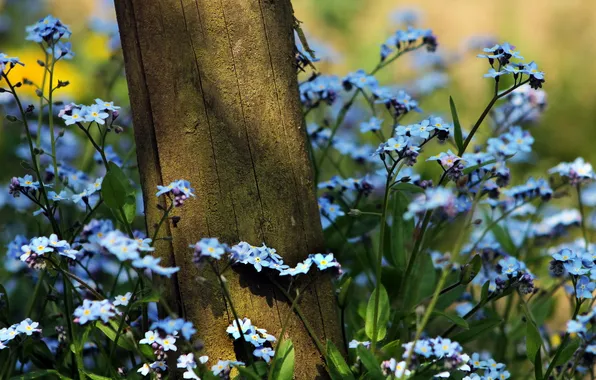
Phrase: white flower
(150, 337)
(123, 300)
(168, 343)
(144, 370)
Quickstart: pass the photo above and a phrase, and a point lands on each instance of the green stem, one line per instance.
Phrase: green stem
(379, 264)
(285, 325)
(163, 218)
(492, 102)
(551, 366)
(305, 322)
(123, 319)
(87, 217)
(42, 189)
(228, 298)
(41, 98)
(583, 215)
(445, 274)
(51, 121)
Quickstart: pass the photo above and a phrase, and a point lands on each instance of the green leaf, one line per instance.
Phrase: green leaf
(392, 350)
(407, 187)
(40, 354)
(150, 297)
(484, 291)
(538, 366)
(401, 231)
(471, 269)
(422, 282)
(533, 341)
(118, 193)
(382, 315)
(369, 361)
(503, 237)
(113, 192)
(45, 374)
(477, 328)
(453, 318)
(343, 293)
(459, 140)
(124, 341)
(283, 366)
(567, 352)
(248, 373)
(93, 376)
(338, 367)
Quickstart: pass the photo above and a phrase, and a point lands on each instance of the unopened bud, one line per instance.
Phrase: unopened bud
(355, 212)
(40, 63)
(420, 309)
(11, 118)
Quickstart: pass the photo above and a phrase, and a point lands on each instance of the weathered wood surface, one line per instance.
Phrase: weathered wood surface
(215, 101)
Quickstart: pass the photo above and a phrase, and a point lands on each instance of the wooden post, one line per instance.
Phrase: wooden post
(215, 101)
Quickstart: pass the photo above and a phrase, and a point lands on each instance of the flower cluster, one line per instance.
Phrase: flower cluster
(175, 326)
(38, 247)
(329, 211)
(523, 105)
(579, 264)
(187, 362)
(503, 271)
(341, 185)
(100, 113)
(319, 89)
(180, 189)
(502, 55)
(27, 327)
(513, 141)
(52, 32)
(107, 240)
(91, 311)
(259, 257)
(259, 338)
(408, 39)
(409, 139)
(433, 198)
(576, 172)
(556, 224)
(9, 61)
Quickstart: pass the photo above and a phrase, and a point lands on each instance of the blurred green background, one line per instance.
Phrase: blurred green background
(560, 35)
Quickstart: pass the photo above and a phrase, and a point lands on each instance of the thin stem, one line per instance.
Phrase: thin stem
(87, 217)
(583, 215)
(285, 325)
(123, 318)
(446, 271)
(492, 102)
(41, 99)
(163, 218)
(51, 121)
(305, 322)
(551, 366)
(42, 189)
(379, 265)
(228, 297)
